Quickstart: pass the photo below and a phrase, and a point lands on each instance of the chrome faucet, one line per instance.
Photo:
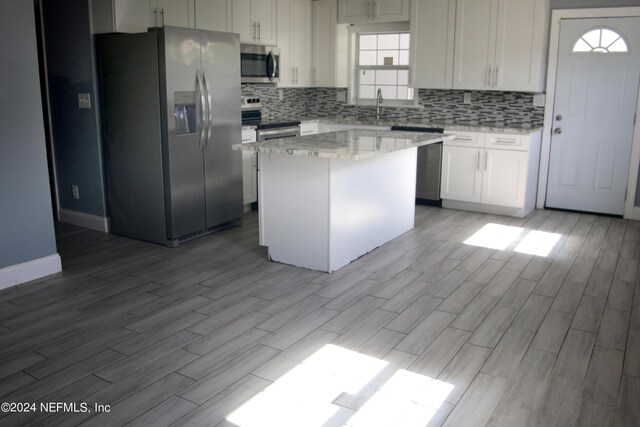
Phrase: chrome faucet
(379, 101)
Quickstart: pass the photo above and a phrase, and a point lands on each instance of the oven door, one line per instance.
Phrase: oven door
(259, 64)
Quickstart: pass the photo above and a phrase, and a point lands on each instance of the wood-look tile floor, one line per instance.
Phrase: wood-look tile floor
(432, 330)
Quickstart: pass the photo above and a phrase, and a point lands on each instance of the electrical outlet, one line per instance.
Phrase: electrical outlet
(466, 98)
(280, 94)
(74, 192)
(341, 96)
(84, 100)
(539, 100)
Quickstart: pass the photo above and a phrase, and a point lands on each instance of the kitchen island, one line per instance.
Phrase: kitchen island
(327, 199)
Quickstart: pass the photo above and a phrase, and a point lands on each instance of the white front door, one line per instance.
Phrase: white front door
(594, 110)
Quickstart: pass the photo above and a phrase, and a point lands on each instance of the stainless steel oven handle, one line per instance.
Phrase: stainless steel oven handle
(279, 136)
(288, 130)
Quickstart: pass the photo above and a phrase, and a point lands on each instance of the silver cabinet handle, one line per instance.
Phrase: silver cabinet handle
(162, 14)
(255, 31)
(478, 161)
(486, 155)
(489, 77)
(375, 8)
(293, 74)
(462, 138)
(315, 76)
(297, 74)
(505, 141)
(495, 81)
(259, 32)
(155, 16)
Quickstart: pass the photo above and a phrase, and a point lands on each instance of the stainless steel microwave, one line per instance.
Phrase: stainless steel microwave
(259, 64)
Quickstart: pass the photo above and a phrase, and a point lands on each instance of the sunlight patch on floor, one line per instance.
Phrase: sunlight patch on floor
(539, 243)
(494, 236)
(304, 396)
(500, 237)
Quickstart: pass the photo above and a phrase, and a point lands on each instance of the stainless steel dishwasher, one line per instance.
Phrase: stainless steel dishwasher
(429, 167)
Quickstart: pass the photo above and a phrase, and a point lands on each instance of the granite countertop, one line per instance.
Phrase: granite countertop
(352, 144)
(460, 126)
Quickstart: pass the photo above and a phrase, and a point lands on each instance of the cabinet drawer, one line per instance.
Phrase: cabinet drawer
(248, 135)
(507, 142)
(466, 139)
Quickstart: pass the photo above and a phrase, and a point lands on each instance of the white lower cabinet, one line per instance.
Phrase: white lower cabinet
(495, 173)
(461, 174)
(249, 169)
(504, 177)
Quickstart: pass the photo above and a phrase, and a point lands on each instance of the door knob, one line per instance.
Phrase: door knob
(557, 131)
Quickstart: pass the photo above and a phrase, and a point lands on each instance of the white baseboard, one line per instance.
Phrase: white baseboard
(634, 214)
(81, 219)
(30, 270)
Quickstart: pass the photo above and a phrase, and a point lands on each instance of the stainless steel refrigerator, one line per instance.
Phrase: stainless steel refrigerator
(170, 109)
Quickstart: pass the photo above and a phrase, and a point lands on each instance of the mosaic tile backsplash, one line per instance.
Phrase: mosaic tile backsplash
(508, 109)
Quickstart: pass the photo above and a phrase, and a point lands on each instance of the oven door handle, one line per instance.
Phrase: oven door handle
(279, 136)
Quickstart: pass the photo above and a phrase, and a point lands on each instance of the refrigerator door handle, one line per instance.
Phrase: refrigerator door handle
(209, 98)
(201, 117)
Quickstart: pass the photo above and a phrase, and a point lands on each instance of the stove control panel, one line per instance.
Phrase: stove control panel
(250, 103)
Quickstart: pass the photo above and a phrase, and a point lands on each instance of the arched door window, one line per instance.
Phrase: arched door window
(600, 40)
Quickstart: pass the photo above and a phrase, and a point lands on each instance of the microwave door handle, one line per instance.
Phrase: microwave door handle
(208, 88)
(272, 65)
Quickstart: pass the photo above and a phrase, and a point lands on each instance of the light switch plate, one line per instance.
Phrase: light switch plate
(539, 100)
(84, 100)
(280, 94)
(466, 98)
(341, 96)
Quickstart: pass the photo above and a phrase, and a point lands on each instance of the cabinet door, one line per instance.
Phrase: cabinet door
(432, 40)
(264, 13)
(519, 45)
(354, 11)
(505, 177)
(461, 174)
(287, 72)
(301, 41)
(133, 16)
(242, 22)
(212, 15)
(329, 46)
(390, 10)
(249, 177)
(177, 13)
(474, 44)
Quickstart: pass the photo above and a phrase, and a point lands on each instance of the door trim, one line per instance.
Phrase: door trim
(630, 211)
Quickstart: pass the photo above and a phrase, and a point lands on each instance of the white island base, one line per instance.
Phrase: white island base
(322, 213)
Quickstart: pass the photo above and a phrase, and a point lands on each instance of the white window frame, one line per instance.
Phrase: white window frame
(354, 32)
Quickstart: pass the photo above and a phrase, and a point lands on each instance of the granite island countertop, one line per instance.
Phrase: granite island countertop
(353, 144)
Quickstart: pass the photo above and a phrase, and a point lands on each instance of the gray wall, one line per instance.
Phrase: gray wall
(69, 54)
(26, 220)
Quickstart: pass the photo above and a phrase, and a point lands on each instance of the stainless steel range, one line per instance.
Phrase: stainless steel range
(266, 129)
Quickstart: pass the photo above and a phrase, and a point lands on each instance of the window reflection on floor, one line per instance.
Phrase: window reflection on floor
(501, 237)
(304, 396)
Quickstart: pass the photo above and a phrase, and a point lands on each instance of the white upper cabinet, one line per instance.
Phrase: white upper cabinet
(368, 11)
(178, 13)
(212, 15)
(294, 40)
(136, 16)
(254, 20)
(500, 44)
(432, 42)
(329, 46)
